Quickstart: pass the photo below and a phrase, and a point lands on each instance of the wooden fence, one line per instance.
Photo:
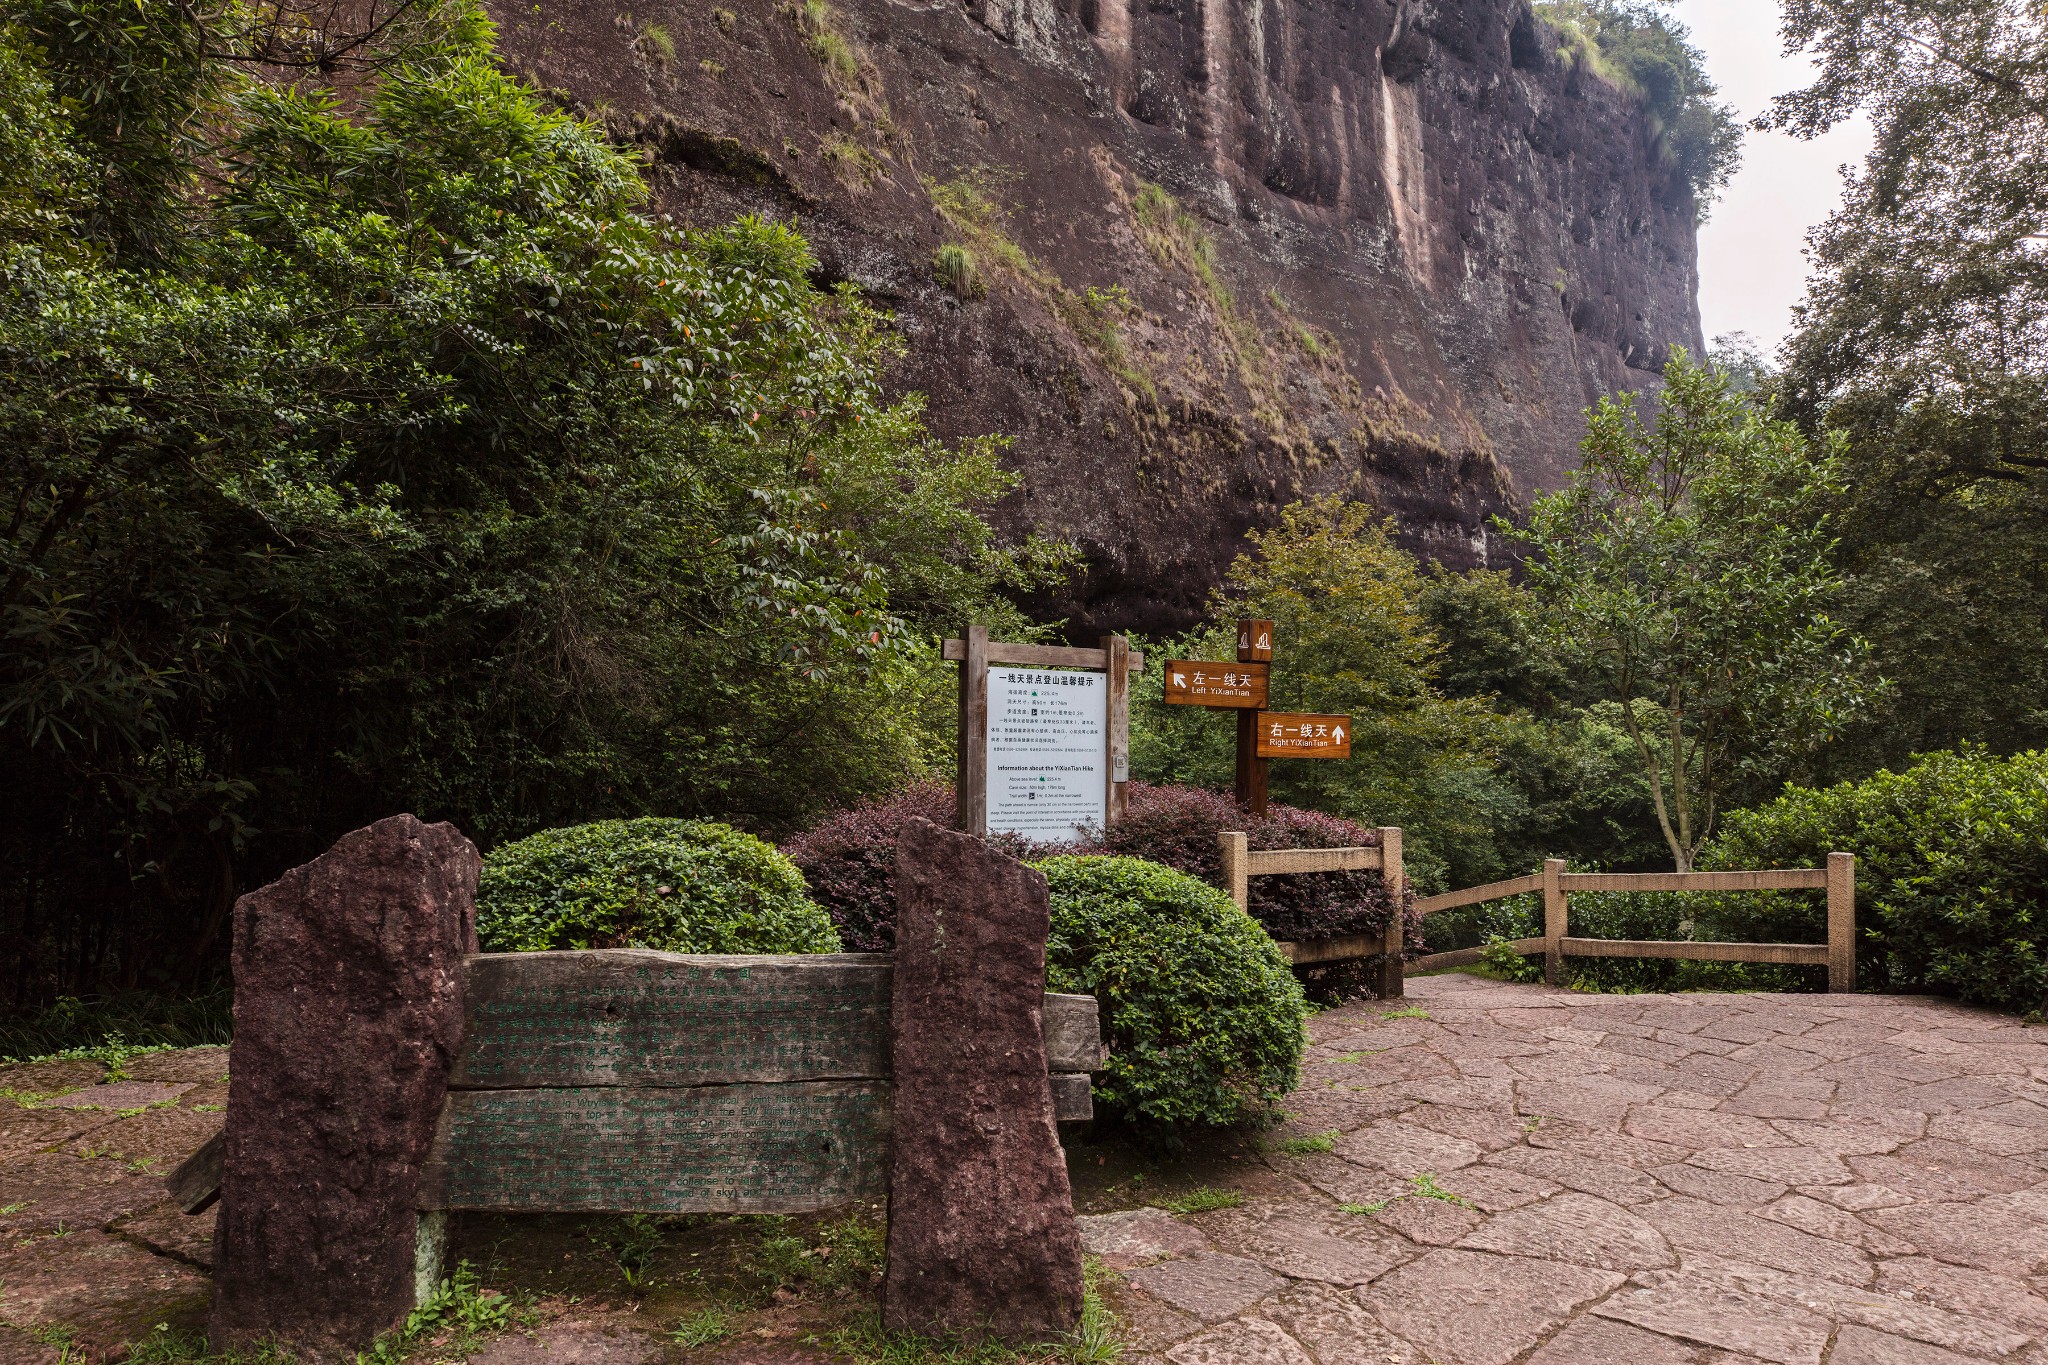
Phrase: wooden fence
(1838, 954)
(1240, 865)
(1838, 879)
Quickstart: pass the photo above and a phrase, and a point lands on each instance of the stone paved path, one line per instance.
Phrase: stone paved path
(1536, 1176)
(1513, 1175)
(90, 1246)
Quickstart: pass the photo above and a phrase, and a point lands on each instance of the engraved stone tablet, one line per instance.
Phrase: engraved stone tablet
(634, 1017)
(779, 1148)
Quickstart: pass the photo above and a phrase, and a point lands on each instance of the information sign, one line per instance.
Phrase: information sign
(1283, 734)
(1196, 682)
(1047, 754)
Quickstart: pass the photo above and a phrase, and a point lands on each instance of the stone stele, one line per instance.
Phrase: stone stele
(348, 1014)
(982, 1237)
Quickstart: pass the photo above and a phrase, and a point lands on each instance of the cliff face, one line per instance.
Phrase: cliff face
(1213, 255)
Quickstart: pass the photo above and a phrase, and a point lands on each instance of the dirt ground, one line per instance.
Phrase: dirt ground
(1491, 1174)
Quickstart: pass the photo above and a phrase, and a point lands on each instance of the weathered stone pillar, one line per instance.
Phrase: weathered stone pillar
(982, 1235)
(348, 1013)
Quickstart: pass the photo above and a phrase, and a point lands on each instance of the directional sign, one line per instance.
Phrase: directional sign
(1283, 734)
(1197, 682)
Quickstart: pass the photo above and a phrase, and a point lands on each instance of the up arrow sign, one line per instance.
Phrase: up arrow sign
(1337, 733)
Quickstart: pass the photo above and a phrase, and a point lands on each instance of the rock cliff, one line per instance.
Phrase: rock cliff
(1200, 258)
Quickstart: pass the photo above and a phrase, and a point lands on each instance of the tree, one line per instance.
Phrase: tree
(1348, 637)
(1923, 340)
(1684, 570)
(375, 452)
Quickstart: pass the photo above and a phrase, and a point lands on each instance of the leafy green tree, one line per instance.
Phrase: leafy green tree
(1923, 340)
(1349, 637)
(1685, 572)
(1566, 779)
(379, 450)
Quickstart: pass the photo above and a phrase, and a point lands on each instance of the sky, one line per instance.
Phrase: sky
(1752, 262)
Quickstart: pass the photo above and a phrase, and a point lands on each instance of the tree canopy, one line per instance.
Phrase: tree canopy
(374, 448)
(1636, 45)
(1923, 340)
(1684, 572)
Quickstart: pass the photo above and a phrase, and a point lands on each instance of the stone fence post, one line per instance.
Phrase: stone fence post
(348, 1014)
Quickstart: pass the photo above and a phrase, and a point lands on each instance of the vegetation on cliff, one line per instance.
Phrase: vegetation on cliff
(1638, 47)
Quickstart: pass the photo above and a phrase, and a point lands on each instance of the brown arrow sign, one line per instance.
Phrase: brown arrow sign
(1283, 734)
(1196, 682)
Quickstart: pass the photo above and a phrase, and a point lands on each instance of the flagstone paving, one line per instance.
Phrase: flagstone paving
(1520, 1174)
(1491, 1174)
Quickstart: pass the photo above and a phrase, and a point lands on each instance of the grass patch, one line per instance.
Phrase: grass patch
(633, 1241)
(1425, 1187)
(830, 1259)
(706, 1328)
(165, 1346)
(1405, 1012)
(112, 1028)
(955, 267)
(459, 1315)
(656, 43)
(830, 48)
(1096, 1341)
(1366, 1210)
(1310, 1144)
(857, 167)
(1204, 1200)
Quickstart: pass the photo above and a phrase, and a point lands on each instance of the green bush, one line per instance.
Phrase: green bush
(1203, 1017)
(1951, 872)
(685, 886)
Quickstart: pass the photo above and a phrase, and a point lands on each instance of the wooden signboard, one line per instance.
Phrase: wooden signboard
(1198, 682)
(1285, 734)
(631, 1080)
(992, 800)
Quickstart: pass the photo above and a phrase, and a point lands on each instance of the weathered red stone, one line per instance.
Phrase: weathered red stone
(348, 1012)
(982, 1237)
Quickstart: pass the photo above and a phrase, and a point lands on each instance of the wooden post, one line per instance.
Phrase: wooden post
(1554, 916)
(1841, 921)
(1251, 769)
(1254, 645)
(1393, 976)
(971, 789)
(1236, 867)
(1116, 652)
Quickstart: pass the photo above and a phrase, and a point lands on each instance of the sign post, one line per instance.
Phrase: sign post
(1254, 645)
(1045, 735)
(1246, 687)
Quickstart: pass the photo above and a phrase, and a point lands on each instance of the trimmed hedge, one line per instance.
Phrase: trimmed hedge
(1951, 873)
(684, 886)
(1204, 1019)
(850, 860)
